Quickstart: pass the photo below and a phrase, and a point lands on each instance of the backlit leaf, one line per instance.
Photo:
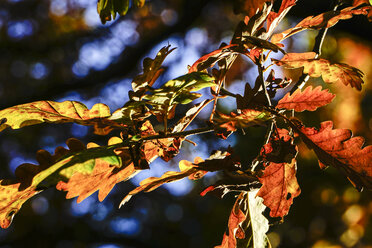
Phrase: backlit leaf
(337, 148)
(279, 187)
(330, 72)
(52, 112)
(310, 99)
(249, 7)
(324, 20)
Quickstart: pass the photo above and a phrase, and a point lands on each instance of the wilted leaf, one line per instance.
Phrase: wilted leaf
(279, 187)
(52, 112)
(324, 20)
(330, 72)
(337, 148)
(308, 99)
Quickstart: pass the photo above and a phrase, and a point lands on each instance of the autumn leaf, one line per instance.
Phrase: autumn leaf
(11, 200)
(52, 112)
(310, 99)
(330, 72)
(151, 70)
(324, 20)
(273, 19)
(244, 119)
(279, 187)
(52, 169)
(210, 59)
(337, 148)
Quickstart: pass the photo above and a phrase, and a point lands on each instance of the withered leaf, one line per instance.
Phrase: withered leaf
(330, 72)
(337, 148)
(52, 112)
(249, 7)
(310, 99)
(279, 187)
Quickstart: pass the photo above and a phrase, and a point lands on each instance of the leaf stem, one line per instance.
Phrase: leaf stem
(180, 134)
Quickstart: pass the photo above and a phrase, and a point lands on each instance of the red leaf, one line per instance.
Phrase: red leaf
(308, 99)
(249, 7)
(279, 187)
(337, 148)
(330, 72)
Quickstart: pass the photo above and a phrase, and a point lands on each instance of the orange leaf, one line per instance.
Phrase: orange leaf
(337, 148)
(324, 20)
(310, 99)
(330, 72)
(279, 187)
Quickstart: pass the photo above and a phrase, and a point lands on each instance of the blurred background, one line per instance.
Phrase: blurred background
(59, 50)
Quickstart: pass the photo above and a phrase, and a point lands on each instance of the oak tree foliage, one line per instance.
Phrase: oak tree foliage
(268, 182)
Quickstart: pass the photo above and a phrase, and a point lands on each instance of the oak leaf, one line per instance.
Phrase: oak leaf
(310, 99)
(52, 112)
(337, 148)
(249, 7)
(324, 20)
(279, 187)
(108, 8)
(330, 72)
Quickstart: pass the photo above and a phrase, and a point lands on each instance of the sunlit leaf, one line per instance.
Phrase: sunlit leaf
(330, 72)
(249, 7)
(310, 99)
(279, 187)
(324, 20)
(337, 148)
(52, 112)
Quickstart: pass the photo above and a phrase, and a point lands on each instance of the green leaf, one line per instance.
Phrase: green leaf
(52, 112)
(107, 9)
(178, 91)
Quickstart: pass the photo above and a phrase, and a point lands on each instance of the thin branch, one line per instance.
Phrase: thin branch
(180, 134)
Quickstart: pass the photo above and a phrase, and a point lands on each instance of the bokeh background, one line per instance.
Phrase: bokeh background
(59, 50)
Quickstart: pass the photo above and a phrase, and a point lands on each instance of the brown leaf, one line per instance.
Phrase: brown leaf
(310, 99)
(337, 148)
(279, 187)
(324, 20)
(330, 72)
